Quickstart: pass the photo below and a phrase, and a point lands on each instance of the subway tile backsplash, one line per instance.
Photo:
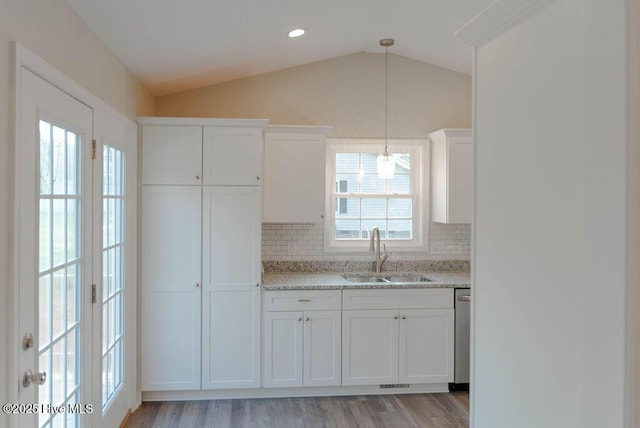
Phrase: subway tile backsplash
(305, 242)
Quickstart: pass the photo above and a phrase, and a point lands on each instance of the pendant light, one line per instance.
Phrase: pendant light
(386, 163)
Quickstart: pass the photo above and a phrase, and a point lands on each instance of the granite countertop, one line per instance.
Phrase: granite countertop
(334, 281)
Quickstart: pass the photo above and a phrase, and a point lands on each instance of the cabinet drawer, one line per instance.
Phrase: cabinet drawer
(398, 299)
(301, 300)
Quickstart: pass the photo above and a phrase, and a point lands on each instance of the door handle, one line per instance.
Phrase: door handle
(465, 298)
(29, 377)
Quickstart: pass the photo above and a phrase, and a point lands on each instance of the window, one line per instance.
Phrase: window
(358, 200)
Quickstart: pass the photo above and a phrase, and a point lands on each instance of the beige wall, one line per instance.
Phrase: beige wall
(54, 32)
(346, 92)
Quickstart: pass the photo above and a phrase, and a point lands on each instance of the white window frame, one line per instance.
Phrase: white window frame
(419, 150)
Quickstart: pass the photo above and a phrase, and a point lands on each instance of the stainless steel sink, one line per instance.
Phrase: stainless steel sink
(364, 278)
(396, 279)
(408, 278)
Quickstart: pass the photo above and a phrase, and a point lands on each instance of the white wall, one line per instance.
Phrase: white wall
(550, 168)
(633, 192)
(345, 92)
(348, 93)
(54, 32)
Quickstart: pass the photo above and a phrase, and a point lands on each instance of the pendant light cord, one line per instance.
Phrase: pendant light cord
(386, 98)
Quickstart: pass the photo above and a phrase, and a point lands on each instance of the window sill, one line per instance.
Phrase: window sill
(362, 249)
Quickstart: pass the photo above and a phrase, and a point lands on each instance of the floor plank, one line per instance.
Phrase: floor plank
(372, 411)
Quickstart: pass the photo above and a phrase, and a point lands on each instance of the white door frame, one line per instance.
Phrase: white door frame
(123, 137)
(24, 58)
(632, 415)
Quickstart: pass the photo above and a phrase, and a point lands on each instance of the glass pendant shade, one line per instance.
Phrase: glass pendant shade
(386, 166)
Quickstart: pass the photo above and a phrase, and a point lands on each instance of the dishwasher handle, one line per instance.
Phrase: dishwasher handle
(465, 298)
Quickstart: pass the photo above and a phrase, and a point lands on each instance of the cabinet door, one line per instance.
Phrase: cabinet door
(322, 348)
(231, 274)
(452, 175)
(171, 155)
(282, 349)
(369, 347)
(232, 156)
(232, 234)
(231, 340)
(426, 346)
(294, 178)
(170, 292)
(460, 179)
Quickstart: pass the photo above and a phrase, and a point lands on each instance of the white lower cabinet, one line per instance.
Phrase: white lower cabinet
(301, 347)
(321, 350)
(231, 340)
(369, 347)
(425, 353)
(390, 346)
(282, 349)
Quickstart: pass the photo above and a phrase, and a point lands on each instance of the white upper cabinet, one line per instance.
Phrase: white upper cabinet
(232, 156)
(294, 174)
(452, 175)
(172, 155)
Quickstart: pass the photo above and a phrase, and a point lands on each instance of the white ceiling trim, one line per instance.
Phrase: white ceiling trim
(497, 18)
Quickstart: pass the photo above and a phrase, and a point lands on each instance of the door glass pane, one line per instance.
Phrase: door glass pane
(45, 157)
(60, 267)
(59, 160)
(113, 249)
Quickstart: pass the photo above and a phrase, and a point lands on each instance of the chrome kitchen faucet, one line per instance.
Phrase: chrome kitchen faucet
(373, 246)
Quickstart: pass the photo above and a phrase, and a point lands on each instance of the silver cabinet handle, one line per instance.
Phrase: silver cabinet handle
(304, 300)
(196, 285)
(197, 177)
(257, 178)
(257, 284)
(306, 319)
(38, 378)
(300, 319)
(395, 318)
(404, 317)
(465, 298)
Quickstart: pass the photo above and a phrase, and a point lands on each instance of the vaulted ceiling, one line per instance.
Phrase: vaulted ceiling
(176, 45)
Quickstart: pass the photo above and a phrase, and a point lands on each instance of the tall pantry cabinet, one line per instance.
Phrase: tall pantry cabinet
(201, 231)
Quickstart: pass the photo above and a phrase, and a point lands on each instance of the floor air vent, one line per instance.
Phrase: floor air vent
(395, 385)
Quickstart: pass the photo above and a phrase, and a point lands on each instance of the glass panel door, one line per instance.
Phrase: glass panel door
(113, 272)
(60, 269)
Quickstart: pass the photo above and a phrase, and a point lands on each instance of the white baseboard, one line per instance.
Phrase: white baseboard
(223, 394)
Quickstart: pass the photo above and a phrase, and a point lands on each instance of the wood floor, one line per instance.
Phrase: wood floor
(395, 411)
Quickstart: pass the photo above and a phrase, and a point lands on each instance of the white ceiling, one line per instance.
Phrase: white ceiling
(176, 45)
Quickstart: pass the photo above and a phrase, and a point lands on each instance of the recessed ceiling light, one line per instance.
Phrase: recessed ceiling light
(296, 33)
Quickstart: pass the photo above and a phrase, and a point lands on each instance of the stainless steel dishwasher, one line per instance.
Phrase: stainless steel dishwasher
(462, 339)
